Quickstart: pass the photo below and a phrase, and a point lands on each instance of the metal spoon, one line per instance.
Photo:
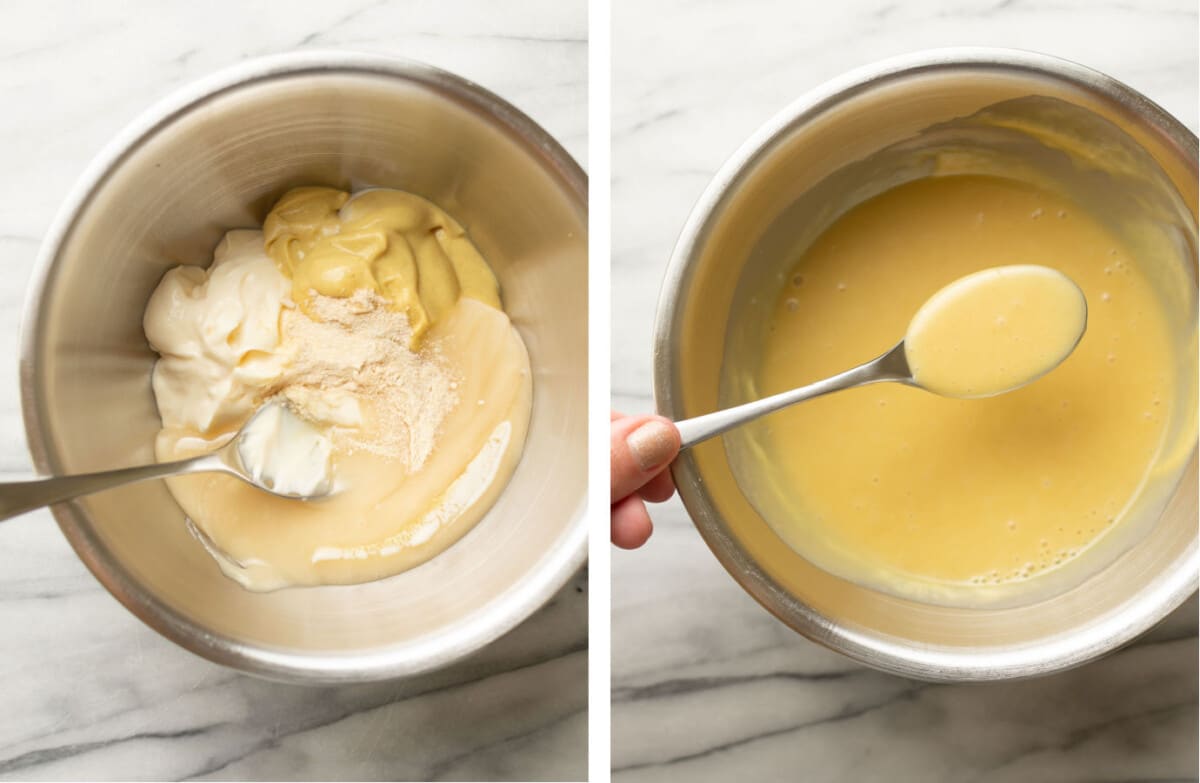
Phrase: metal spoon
(893, 366)
(20, 496)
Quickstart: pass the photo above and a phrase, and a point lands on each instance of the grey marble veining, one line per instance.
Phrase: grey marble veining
(708, 686)
(88, 691)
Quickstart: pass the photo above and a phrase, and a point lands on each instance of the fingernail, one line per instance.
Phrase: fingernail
(652, 444)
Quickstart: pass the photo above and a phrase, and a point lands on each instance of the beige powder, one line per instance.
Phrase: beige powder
(353, 369)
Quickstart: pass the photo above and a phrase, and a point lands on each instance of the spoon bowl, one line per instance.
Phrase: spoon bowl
(261, 454)
(985, 334)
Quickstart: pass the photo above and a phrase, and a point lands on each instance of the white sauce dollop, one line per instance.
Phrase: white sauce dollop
(285, 453)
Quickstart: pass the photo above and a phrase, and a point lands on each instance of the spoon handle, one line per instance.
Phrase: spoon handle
(891, 366)
(17, 497)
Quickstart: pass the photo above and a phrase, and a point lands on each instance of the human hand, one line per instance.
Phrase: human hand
(640, 450)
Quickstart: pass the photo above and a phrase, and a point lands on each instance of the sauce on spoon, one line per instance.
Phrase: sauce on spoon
(995, 330)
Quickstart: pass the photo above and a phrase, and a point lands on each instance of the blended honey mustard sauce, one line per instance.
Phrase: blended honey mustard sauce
(928, 496)
(373, 318)
(994, 331)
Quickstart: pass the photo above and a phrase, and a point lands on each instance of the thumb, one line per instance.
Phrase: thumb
(640, 448)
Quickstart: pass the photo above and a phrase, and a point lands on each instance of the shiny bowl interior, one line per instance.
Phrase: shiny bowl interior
(213, 157)
(871, 130)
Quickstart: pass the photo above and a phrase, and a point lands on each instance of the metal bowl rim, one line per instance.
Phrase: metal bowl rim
(1051, 655)
(474, 631)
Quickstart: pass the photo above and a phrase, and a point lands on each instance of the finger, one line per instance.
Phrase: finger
(658, 489)
(640, 447)
(614, 415)
(631, 524)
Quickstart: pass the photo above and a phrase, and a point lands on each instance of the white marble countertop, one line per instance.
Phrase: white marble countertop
(707, 685)
(88, 691)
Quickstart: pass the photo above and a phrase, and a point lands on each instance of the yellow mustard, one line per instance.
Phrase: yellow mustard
(394, 243)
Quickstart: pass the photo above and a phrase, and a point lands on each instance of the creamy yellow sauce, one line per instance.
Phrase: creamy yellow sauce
(913, 492)
(995, 330)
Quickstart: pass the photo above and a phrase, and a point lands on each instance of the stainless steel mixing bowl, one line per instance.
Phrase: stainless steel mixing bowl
(1025, 115)
(214, 156)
